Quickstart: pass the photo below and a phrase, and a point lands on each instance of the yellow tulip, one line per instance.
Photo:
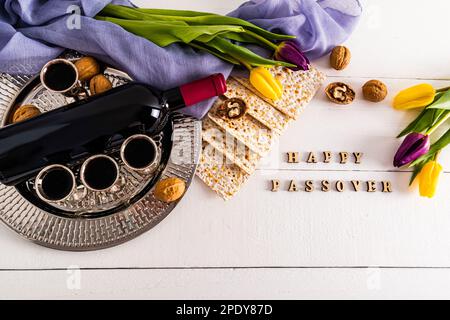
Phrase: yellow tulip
(428, 179)
(415, 97)
(266, 83)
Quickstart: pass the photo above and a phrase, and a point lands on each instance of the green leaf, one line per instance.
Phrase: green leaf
(189, 17)
(440, 144)
(243, 54)
(425, 120)
(171, 12)
(165, 27)
(214, 52)
(416, 172)
(443, 141)
(419, 124)
(194, 18)
(140, 22)
(123, 12)
(168, 32)
(442, 103)
(164, 33)
(243, 38)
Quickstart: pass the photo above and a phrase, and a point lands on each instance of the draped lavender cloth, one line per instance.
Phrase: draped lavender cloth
(35, 31)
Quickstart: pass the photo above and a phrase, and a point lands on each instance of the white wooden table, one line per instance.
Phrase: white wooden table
(284, 245)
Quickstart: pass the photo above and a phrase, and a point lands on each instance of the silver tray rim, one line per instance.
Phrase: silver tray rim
(40, 230)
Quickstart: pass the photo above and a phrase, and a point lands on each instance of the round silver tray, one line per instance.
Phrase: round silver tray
(93, 220)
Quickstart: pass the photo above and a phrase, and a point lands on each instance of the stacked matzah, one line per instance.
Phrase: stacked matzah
(232, 148)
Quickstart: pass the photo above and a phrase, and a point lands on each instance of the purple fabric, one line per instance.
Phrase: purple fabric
(318, 25)
(35, 31)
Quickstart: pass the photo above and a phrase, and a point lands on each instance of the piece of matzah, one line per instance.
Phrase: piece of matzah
(233, 149)
(299, 88)
(254, 130)
(257, 107)
(246, 129)
(224, 179)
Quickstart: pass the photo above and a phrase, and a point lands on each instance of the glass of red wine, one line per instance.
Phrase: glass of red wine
(99, 173)
(55, 183)
(61, 76)
(140, 153)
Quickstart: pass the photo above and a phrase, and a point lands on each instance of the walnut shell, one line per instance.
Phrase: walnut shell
(25, 112)
(87, 68)
(99, 84)
(340, 57)
(170, 189)
(375, 91)
(233, 108)
(340, 93)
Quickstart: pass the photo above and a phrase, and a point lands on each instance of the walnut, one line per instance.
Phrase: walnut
(233, 108)
(375, 91)
(25, 112)
(340, 93)
(340, 57)
(170, 189)
(99, 84)
(87, 68)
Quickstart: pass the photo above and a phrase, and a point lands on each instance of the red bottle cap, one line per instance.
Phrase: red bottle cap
(203, 89)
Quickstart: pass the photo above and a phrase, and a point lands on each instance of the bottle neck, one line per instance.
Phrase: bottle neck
(174, 99)
(195, 92)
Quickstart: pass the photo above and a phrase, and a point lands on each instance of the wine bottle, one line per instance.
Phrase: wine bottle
(84, 128)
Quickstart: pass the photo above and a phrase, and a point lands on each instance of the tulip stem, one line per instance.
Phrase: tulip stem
(245, 64)
(433, 128)
(443, 89)
(241, 61)
(270, 44)
(436, 155)
(219, 55)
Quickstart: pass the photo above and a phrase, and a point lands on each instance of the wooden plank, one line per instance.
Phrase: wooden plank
(399, 40)
(363, 283)
(260, 228)
(370, 128)
(392, 40)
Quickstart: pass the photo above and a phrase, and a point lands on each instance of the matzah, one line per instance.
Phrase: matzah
(236, 151)
(253, 131)
(224, 179)
(299, 88)
(257, 107)
(247, 129)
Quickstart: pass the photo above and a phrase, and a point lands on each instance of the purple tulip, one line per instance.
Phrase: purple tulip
(414, 146)
(289, 51)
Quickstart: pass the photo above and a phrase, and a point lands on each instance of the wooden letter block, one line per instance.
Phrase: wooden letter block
(325, 185)
(371, 186)
(339, 186)
(356, 185)
(344, 157)
(312, 158)
(275, 185)
(309, 186)
(358, 157)
(293, 157)
(293, 186)
(327, 156)
(387, 186)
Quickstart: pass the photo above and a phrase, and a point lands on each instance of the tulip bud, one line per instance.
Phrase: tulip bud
(428, 179)
(263, 81)
(414, 146)
(289, 51)
(415, 97)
